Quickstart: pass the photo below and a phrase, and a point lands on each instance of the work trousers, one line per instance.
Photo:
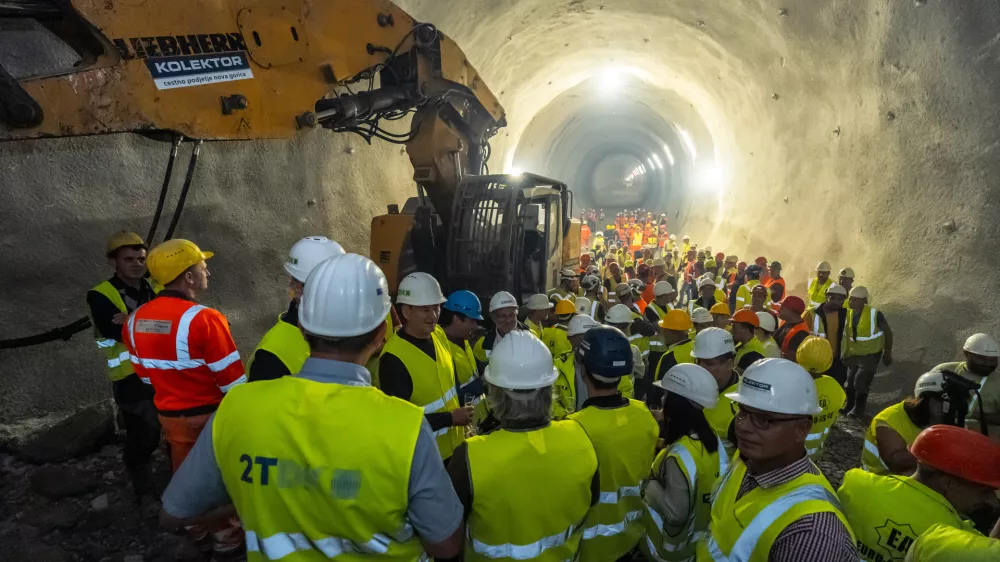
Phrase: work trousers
(142, 431)
(861, 370)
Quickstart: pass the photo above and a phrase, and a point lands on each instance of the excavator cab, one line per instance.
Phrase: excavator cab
(510, 233)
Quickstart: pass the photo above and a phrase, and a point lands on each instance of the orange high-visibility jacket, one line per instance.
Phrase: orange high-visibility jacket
(185, 351)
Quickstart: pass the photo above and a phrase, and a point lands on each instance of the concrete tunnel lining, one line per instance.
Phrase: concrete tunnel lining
(795, 107)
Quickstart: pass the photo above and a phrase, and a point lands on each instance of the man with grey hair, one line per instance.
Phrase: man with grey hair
(544, 471)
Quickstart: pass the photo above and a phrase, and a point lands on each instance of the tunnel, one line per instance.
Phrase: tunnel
(858, 132)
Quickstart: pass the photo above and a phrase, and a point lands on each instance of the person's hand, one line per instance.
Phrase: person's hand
(462, 416)
(887, 358)
(657, 414)
(119, 318)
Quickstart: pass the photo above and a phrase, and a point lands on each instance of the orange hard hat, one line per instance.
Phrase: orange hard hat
(720, 257)
(747, 317)
(762, 261)
(959, 452)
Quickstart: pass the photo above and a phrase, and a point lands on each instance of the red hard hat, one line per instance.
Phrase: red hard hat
(795, 304)
(720, 257)
(959, 452)
(762, 261)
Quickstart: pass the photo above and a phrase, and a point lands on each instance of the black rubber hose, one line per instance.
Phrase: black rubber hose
(163, 190)
(184, 190)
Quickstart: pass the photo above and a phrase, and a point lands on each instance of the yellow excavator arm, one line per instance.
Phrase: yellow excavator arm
(254, 69)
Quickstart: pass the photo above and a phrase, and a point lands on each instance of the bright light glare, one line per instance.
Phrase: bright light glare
(711, 176)
(515, 171)
(658, 162)
(689, 142)
(611, 80)
(670, 154)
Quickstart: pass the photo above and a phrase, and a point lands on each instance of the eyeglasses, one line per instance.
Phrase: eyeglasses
(759, 420)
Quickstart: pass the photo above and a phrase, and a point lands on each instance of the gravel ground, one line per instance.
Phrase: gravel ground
(100, 522)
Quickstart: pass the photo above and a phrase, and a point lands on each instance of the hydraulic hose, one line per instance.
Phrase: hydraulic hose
(184, 190)
(163, 190)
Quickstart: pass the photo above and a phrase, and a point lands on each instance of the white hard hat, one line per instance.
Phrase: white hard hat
(580, 323)
(701, 315)
(568, 274)
(847, 272)
(673, 237)
(767, 321)
(712, 342)
(663, 288)
(693, 382)
(836, 289)
(503, 299)
(582, 305)
(520, 362)
(777, 385)
(708, 249)
(619, 314)
(859, 292)
(345, 296)
(534, 302)
(705, 282)
(600, 233)
(419, 289)
(686, 237)
(929, 382)
(308, 253)
(982, 344)
(590, 282)
(823, 266)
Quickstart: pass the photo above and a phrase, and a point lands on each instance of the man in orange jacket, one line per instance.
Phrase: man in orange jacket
(185, 351)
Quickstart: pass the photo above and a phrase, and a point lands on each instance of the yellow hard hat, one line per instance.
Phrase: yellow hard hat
(168, 260)
(815, 355)
(676, 320)
(124, 238)
(565, 306)
(720, 308)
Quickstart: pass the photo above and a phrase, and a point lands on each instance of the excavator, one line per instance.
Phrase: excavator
(205, 70)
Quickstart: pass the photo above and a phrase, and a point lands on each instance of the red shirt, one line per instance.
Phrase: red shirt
(185, 351)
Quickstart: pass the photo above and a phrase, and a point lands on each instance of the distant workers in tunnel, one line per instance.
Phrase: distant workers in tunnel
(545, 472)
(283, 350)
(389, 494)
(416, 364)
(186, 352)
(624, 435)
(110, 303)
(774, 479)
(867, 341)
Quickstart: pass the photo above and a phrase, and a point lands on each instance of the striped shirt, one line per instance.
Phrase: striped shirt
(818, 536)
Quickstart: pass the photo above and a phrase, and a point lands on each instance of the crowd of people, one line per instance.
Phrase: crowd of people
(662, 403)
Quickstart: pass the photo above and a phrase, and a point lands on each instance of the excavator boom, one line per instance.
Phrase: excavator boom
(256, 69)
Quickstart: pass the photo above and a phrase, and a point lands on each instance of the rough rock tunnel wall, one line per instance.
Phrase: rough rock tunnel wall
(857, 131)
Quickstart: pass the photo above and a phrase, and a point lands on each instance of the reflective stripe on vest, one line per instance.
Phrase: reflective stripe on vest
(817, 325)
(896, 418)
(972, 399)
(747, 541)
(279, 545)
(873, 449)
(874, 326)
(115, 353)
(522, 551)
(815, 440)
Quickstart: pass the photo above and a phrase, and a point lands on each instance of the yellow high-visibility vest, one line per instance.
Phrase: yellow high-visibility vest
(721, 417)
(466, 368)
(701, 469)
(753, 345)
(888, 513)
(285, 342)
(117, 356)
(681, 352)
(532, 493)
(942, 543)
(817, 291)
(895, 417)
(625, 441)
(564, 389)
(556, 339)
(433, 383)
(831, 397)
(868, 339)
(301, 502)
(745, 529)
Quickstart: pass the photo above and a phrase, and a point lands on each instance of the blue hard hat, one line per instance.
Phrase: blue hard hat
(465, 302)
(605, 351)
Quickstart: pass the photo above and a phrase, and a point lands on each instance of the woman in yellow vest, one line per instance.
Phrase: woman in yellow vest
(528, 485)
(460, 316)
(624, 436)
(815, 354)
(956, 476)
(283, 350)
(774, 500)
(354, 494)
(416, 364)
(893, 430)
(677, 497)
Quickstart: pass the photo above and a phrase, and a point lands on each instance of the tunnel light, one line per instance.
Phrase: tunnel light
(658, 162)
(670, 154)
(515, 171)
(711, 176)
(689, 143)
(652, 165)
(611, 81)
